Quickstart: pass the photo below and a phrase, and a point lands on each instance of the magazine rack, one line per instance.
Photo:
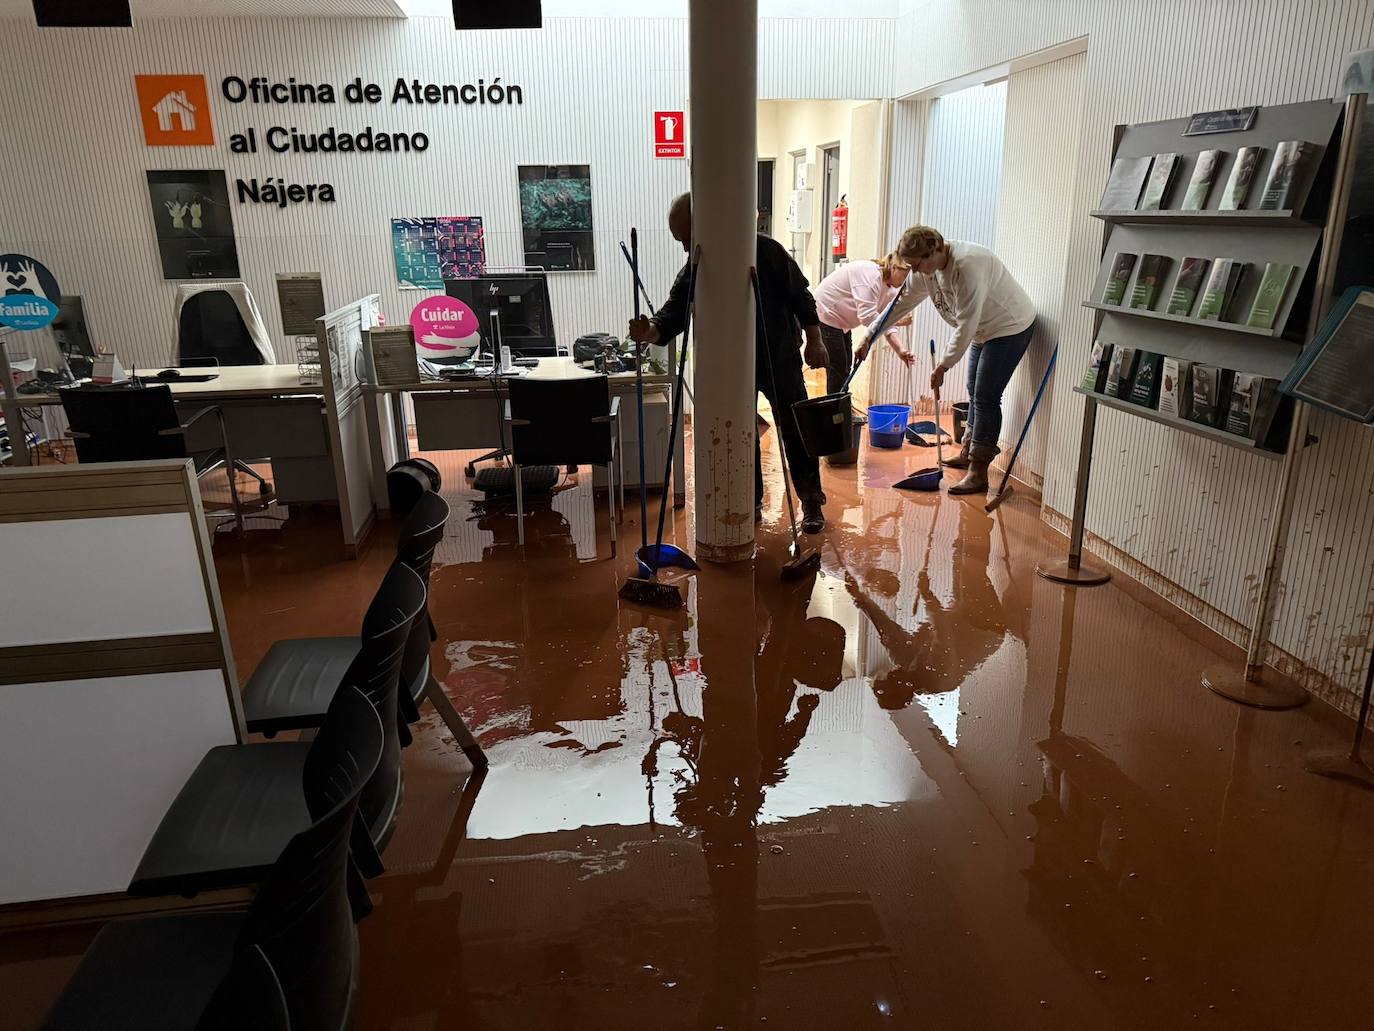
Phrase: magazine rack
(1308, 236)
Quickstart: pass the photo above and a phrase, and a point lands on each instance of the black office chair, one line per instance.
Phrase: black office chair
(292, 686)
(242, 802)
(212, 331)
(138, 424)
(288, 962)
(565, 422)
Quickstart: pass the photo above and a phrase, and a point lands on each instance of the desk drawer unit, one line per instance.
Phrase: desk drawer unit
(288, 432)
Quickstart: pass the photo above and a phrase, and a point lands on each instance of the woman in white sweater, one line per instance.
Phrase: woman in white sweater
(993, 321)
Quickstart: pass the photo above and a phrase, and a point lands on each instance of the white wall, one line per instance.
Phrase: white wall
(74, 163)
(1162, 59)
(1044, 111)
(790, 126)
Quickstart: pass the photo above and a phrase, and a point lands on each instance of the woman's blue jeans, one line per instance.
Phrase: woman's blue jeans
(990, 365)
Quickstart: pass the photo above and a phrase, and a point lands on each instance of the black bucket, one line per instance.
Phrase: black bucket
(850, 457)
(960, 420)
(826, 424)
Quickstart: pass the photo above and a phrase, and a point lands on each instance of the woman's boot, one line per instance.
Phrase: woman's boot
(959, 461)
(976, 479)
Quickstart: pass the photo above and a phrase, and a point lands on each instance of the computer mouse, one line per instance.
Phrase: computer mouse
(166, 374)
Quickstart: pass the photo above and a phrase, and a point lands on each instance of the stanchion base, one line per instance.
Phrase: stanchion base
(1340, 765)
(1272, 691)
(1063, 573)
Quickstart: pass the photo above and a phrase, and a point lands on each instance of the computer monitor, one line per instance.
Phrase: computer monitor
(520, 300)
(73, 336)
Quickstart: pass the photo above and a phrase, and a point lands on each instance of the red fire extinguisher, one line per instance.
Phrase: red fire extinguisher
(839, 229)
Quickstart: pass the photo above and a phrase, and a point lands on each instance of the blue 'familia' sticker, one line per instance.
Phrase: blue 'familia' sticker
(28, 293)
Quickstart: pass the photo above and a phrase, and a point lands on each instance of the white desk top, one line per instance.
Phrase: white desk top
(561, 367)
(232, 381)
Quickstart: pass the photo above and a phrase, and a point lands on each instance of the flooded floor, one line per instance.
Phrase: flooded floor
(922, 788)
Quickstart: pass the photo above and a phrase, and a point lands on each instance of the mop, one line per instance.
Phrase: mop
(928, 479)
(639, 283)
(1006, 490)
(660, 555)
(804, 560)
(645, 589)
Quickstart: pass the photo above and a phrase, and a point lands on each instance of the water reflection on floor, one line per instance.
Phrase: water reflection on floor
(920, 787)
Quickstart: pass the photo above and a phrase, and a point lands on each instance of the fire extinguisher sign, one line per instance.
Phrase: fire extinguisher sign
(670, 137)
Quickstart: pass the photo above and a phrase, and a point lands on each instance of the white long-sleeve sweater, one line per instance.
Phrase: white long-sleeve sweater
(974, 293)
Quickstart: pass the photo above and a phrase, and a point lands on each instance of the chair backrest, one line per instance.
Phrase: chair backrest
(376, 672)
(250, 996)
(560, 414)
(301, 917)
(420, 535)
(211, 324)
(123, 424)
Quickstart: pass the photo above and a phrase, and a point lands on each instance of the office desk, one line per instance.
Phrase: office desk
(455, 415)
(269, 414)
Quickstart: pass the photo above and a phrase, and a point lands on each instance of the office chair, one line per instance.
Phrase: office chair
(565, 422)
(243, 802)
(139, 424)
(219, 324)
(289, 961)
(292, 686)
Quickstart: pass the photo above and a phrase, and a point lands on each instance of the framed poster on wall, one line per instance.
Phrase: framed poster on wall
(429, 250)
(556, 217)
(195, 230)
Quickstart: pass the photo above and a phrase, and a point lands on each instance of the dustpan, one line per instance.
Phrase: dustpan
(918, 432)
(922, 479)
(660, 556)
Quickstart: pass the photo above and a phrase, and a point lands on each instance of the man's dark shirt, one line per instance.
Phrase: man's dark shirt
(786, 302)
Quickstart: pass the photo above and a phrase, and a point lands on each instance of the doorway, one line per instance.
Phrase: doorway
(765, 197)
(830, 196)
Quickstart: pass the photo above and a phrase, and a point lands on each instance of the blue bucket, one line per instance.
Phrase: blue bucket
(887, 424)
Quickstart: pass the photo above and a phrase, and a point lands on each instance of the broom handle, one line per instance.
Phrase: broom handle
(939, 430)
(634, 267)
(682, 365)
(633, 258)
(773, 379)
(878, 329)
(1044, 382)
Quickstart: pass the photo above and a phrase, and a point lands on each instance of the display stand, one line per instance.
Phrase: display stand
(1306, 236)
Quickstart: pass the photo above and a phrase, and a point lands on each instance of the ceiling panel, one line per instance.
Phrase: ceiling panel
(239, 9)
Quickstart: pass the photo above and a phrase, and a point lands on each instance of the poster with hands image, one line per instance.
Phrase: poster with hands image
(195, 229)
(29, 293)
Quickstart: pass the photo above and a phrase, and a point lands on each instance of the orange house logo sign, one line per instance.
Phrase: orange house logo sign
(175, 110)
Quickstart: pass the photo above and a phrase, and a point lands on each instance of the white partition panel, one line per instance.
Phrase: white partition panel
(89, 767)
(81, 573)
(116, 676)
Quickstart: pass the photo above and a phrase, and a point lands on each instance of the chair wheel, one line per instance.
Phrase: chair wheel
(265, 487)
(471, 472)
(572, 469)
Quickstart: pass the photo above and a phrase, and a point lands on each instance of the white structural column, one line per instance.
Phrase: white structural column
(724, 79)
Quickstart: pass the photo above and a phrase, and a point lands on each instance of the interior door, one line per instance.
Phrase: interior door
(830, 196)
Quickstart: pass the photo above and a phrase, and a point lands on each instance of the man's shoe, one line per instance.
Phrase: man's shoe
(758, 513)
(813, 517)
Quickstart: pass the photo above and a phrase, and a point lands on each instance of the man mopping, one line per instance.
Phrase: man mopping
(786, 301)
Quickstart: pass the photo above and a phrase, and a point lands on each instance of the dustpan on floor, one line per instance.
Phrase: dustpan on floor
(924, 433)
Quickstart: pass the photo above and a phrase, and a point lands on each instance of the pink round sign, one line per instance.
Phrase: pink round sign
(444, 328)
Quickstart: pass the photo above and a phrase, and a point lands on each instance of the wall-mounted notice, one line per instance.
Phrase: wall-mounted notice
(195, 231)
(1333, 371)
(670, 139)
(556, 217)
(430, 250)
(300, 295)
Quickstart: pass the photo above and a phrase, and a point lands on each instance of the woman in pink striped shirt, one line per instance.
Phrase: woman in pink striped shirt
(852, 296)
